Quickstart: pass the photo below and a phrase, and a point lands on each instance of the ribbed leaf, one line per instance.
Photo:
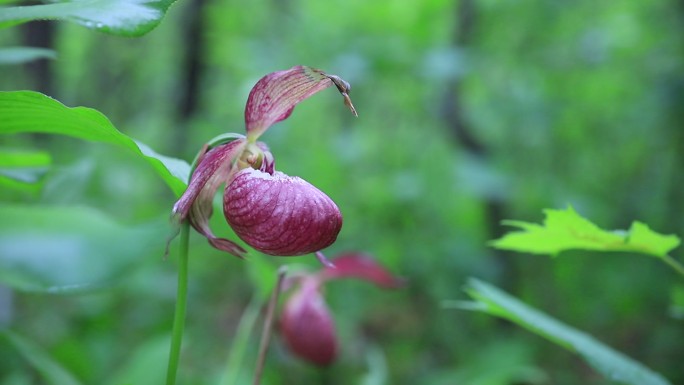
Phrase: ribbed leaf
(33, 112)
(119, 17)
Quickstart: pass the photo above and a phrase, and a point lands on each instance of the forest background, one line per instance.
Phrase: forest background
(470, 112)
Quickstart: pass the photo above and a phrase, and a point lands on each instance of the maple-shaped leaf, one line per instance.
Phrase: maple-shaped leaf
(566, 230)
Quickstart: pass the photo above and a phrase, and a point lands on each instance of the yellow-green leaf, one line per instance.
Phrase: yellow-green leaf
(566, 230)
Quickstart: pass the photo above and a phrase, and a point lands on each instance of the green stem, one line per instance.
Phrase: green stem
(674, 264)
(268, 325)
(181, 304)
(241, 341)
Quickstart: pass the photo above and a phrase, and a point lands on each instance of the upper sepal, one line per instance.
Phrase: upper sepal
(274, 96)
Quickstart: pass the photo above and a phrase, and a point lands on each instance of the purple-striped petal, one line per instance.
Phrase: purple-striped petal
(275, 95)
(279, 214)
(213, 168)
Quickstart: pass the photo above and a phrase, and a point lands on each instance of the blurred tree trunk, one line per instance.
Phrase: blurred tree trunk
(464, 135)
(676, 197)
(192, 70)
(40, 34)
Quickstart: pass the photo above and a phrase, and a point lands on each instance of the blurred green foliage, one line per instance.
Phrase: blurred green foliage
(471, 112)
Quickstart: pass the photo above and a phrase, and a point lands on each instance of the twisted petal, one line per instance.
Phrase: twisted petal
(213, 168)
(275, 95)
(280, 215)
(306, 325)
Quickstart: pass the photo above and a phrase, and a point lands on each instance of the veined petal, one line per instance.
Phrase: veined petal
(279, 214)
(362, 266)
(213, 169)
(274, 96)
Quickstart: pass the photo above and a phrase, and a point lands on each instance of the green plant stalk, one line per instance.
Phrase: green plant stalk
(268, 325)
(181, 305)
(674, 264)
(241, 340)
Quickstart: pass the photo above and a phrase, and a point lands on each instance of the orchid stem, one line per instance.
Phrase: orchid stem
(241, 341)
(323, 260)
(673, 263)
(268, 325)
(181, 305)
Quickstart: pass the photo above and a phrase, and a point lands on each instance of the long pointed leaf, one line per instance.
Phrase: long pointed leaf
(50, 370)
(612, 364)
(33, 112)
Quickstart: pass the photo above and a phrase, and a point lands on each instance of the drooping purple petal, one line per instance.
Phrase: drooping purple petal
(307, 326)
(362, 266)
(275, 95)
(213, 168)
(279, 214)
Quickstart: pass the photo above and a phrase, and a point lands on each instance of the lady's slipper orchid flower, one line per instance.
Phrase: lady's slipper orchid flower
(306, 323)
(274, 213)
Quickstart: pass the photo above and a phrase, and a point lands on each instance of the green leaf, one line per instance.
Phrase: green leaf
(238, 349)
(49, 369)
(19, 55)
(24, 166)
(21, 171)
(20, 158)
(71, 249)
(119, 17)
(640, 236)
(151, 353)
(33, 112)
(565, 230)
(11, 188)
(612, 364)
